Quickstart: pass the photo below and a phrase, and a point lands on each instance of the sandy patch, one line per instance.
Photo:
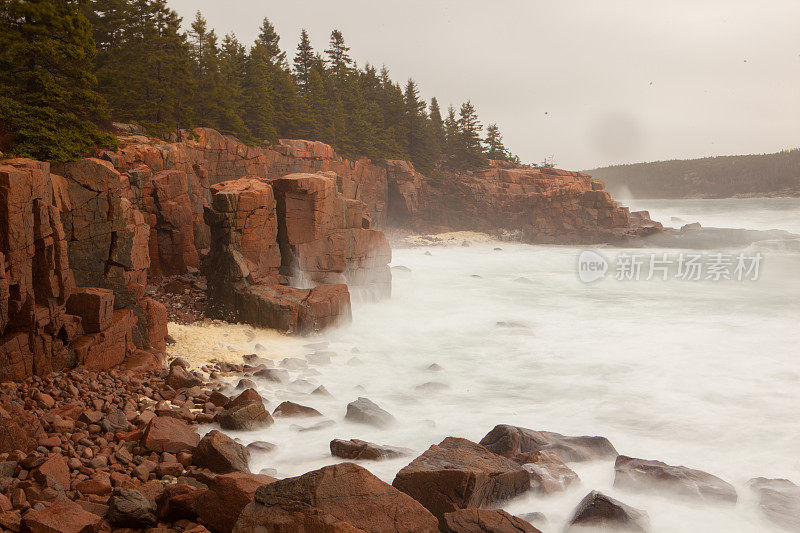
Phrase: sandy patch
(451, 238)
(219, 341)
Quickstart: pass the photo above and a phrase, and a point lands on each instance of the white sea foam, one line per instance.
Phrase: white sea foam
(702, 374)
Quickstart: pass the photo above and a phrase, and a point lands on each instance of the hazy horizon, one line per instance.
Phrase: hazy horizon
(592, 85)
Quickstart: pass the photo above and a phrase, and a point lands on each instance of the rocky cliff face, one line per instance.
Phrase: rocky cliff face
(52, 316)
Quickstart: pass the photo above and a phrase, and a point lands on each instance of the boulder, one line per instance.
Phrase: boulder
(130, 508)
(485, 521)
(548, 472)
(221, 454)
(597, 510)
(511, 441)
(19, 429)
(778, 500)
(465, 474)
(95, 306)
(338, 498)
(291, 409)
(180, 378)
(227, 494)
(643, 475)
(365, 411)
(355, 449)
(247, 396)
(171, 435)
(247, 416)
(62, 516)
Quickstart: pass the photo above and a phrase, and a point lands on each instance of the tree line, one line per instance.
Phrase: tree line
(68, 67)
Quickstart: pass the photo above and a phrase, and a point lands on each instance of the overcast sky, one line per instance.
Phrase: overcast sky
(591, 83)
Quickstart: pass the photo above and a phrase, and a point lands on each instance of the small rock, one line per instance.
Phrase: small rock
(247, 416)
(130, 508)
(359, 449)
(365, 411)
(597, 510)
(287, 409)
(221, 454)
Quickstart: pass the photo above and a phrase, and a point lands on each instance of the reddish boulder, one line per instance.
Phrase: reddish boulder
(465, 474)
(643, 475)
(599, 511)
(246, 416)
(359, 449)
(548, 472)
(227, 494)
(95, 306)
(247, 396)
(336, 498)
(62, 516)
(53, 473)
(167, 434)
(291, 409)
(511, 441)
(172, 233)
(220, 453)
(485, 521)
(19, 429)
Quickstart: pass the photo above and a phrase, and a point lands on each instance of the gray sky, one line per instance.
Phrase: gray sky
(589, 82)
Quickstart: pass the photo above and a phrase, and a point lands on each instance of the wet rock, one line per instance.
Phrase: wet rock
(400, 268)
(363, 450)
(321, 391)
(316, 427)
(432, 386)
(290, 409)
(221, 454)
(180, 378)
(434, 367)
(245, 383)
(365, 411)
(178, 502)
(465, 474)
(247, 396)
(485, 521)
(247, 416)
(511, 441)
(320, 358)
(597, 510)
(260, 446)
(227, 494)
(278, 375)
(643, 475)
(342, 498)
(548, 472)
(523, 280)
(130, 508)
(293, 363)
(778, 500)
(62, 516)
(167, 434)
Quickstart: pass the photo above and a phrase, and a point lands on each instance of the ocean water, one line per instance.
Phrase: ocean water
(703, 373)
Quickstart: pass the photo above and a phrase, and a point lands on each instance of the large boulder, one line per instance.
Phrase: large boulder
(485, 521)
(227, 494)
(19, 429)
(778, 500)
(599, 511)
(465, 475)
(131, 508)
(171, 435)
(365, 411)
(548, 472)
(643, 475)
(512, 441)
(245, 416)
(62, 516)
(220, 453)
(337, 498)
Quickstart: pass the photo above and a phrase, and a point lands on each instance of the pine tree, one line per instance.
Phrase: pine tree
(259, 114)
(48, 95)
(494, 143)
(303, 61)
(232, 69)
(271, 41)
(451, 132)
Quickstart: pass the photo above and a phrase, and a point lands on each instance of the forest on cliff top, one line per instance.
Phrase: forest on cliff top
(709, 177)
(70, 67)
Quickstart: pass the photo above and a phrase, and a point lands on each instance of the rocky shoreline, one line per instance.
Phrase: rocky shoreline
(116, 450)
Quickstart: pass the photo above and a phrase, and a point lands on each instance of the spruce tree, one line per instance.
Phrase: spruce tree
(259, 114)
(271, 41)
(339, 60)
(303, 62)
(494, 143)
(469, 149)
(437, 124)
(48, 95)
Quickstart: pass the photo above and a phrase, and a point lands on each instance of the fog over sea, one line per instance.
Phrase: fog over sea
(704, 374)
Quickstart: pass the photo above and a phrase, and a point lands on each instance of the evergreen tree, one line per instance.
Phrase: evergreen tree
(469, 153)
(259, 114)
(339, 60)
(494, 143)
(451, 132)
(271, 41)
(232, 70)
(48, 95)
(437, 124)
(303, 62)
